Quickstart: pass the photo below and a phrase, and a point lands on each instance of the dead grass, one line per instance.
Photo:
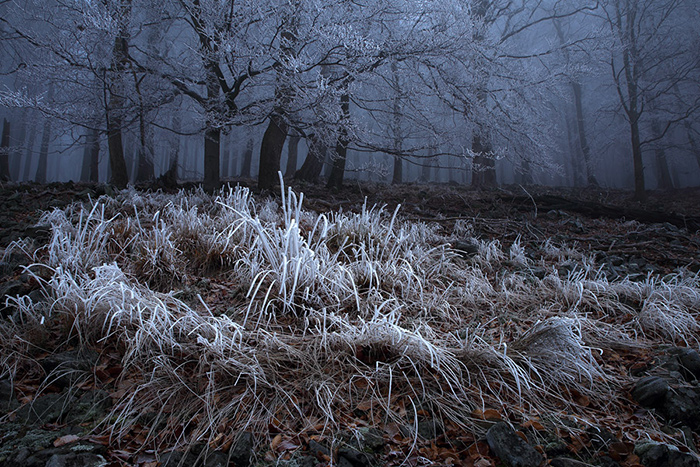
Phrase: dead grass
(340, 311)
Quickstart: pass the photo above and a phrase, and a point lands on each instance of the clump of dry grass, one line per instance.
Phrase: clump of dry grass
(352, 308)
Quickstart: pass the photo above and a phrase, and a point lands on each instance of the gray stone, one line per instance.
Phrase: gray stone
(317, 449)
(216, 459)
(689, 360)
(6, 390)
(242, 450)
(466, 248)
(45, 409)
(650, 392)
(371, 439)
(510, 448)
(354, 457)
(566, 462)
(92, 406)
(682, 406)
(663, 455)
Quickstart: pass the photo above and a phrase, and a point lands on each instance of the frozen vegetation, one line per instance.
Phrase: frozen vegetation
(230, 313)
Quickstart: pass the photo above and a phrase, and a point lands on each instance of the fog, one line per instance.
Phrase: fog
(483, 93)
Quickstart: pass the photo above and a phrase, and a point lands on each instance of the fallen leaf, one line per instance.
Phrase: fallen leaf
(275, 442)
(533, 424)
(63, 440)
(287, 445)
(483, 463)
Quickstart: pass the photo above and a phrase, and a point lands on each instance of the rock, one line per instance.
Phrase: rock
(510, 448)
(466, 248)
(689, 360)
(173, 459)
(242, 450)
(65, 368)
(354, 458)
(566, 462)
(371, 439)
(216, 459)
(92, 406)
(650, 392)
(600, 438)
(76, 460)
(682, 406)
(318, 450)
(45, 409)
(664, 455)
(6, 390)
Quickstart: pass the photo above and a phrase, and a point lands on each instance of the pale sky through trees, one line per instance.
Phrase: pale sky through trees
(487, 92)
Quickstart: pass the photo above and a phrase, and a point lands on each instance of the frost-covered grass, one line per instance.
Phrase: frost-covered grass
(333, 312)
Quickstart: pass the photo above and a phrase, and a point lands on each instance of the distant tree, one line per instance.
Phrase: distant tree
(649, 61)
(5, 151)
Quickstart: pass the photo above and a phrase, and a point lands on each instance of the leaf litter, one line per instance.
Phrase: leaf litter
(220, 314)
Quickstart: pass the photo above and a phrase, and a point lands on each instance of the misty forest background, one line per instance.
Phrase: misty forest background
(483, 92)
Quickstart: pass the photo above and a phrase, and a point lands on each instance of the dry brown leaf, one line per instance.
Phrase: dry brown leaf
(63, 440)
(275, 442)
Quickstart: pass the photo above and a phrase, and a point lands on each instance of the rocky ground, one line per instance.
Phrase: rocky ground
(62, 426)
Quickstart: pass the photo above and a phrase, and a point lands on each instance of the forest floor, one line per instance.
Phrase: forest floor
(159, 329)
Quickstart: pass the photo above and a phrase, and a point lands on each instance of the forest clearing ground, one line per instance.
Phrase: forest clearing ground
(307, 327)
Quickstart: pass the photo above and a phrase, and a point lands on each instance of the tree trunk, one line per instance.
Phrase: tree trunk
(338, 172)
(5, 151)
(583, 140)
(292, 154)
(483, 167)
(29, 151)
(212, 136)
(574, 156)
(663, 174)
(43, 153)
(427, 165)
(225, 159)
(397, 176)
(115, 109)
(310, 170)
(17, 142)
(91, 157)
(695, 149)
(271, 151)
(247, 159)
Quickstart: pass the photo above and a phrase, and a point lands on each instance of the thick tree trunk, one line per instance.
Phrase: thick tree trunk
(292, 154)
(271, 151)
(43, 153)
(310, 170)
(247, 159)
(212, 148)
(483, 166)
(91, 157)
(212, 137)
(225, 159)
(5, 151)
(583, 140)
(120, 57)
(341, 148)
